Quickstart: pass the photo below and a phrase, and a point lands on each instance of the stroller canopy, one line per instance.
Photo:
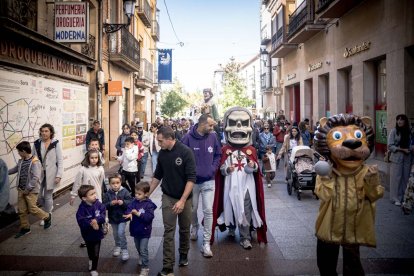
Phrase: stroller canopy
(301, 151)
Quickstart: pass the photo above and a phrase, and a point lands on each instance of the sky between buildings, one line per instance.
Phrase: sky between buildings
(212, 32)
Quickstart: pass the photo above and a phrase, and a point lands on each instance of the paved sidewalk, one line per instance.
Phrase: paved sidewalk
(291, 249)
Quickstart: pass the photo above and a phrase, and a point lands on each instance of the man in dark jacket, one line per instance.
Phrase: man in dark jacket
(96, 132)
(176, 168)
(207, 152)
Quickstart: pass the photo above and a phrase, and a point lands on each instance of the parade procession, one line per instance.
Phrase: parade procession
(286, 148)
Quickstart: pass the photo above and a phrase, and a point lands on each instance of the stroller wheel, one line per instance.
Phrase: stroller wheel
(289, 187)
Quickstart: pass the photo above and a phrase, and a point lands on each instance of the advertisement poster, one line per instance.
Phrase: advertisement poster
(381, 126)
(29, 101)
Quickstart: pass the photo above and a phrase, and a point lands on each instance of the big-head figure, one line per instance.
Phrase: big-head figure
(239, 199)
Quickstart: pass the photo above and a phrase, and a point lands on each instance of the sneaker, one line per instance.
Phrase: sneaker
(90, 265)
(48, 221)
(246, 244)
(94, 273)
(166, 272)
(397, 203)
(183, 260)
(232, 232)
(42, 223)
(124, 255)
(117, 251)
(194, 233)
(22, 232)
(269, 185)
(82, 245)
(206, 250)
(144, 272)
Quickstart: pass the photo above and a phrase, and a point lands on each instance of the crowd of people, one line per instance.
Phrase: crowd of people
(186, 158)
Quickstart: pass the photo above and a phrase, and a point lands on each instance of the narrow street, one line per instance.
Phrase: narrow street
(291, 248)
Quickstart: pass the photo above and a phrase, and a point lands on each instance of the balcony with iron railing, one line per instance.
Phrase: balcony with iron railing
(265, 36)
(124, 50)
(144, 12)
(146, 75)
(301, 23)
(334, 8)
(155, 30)
(280, 46)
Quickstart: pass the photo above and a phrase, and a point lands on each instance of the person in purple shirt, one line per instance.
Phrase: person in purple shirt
(202, 140)
(91, 217)
(141, 213)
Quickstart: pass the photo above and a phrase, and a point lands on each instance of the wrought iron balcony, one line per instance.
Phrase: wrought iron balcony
(155, 30)
(265, 37)
(280, 46)
(89, 48)
(334, 8)
(144, 12)
(22, 11)
(301, 23)
(124, 50)
(145, 77)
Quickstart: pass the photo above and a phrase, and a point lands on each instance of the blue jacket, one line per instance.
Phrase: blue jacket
(141, 226)
(207, 153)
(85, 214)
(115, 212)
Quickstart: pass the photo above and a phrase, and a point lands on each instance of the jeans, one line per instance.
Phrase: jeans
(142, 247)
(93, 248)
(170, 222)
(27, 204)
(327, 259)
(119, 234)
(248, 210)
(143, 164)
(45, 197)
(206, 189)
(131, 178)
(154, 159)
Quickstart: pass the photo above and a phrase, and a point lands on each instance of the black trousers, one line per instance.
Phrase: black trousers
(93, 248)
(327, 257)
(131, 178)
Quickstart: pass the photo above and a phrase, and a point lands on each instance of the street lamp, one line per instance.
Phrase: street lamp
(129, 9)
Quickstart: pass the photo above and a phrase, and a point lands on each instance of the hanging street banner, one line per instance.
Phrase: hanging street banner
(164, 65)
(71, 22)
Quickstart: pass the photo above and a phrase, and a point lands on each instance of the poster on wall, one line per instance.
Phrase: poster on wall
(29, 101)
(381, 126)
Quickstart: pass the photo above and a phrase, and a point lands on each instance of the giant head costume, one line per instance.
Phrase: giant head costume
(347, 140)
(238, 127)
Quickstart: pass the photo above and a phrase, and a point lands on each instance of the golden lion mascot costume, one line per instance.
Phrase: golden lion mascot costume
(347, 189)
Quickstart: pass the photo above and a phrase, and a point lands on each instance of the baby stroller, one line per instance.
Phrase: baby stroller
(300, 173)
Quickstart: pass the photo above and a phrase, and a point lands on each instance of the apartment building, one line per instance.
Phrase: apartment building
(338, 56)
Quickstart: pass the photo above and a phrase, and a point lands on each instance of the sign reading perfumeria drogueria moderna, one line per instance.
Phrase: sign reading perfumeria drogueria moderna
(71, 22)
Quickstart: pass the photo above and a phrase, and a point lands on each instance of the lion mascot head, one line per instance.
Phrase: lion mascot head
(347, 140)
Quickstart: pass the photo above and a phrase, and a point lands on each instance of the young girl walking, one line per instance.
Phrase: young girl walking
(91, 173)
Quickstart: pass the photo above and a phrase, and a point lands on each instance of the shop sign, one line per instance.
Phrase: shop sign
(291, 76)
(313, 67)
(71, 22)
(39, 60)
(115, 88)
(357, 49)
